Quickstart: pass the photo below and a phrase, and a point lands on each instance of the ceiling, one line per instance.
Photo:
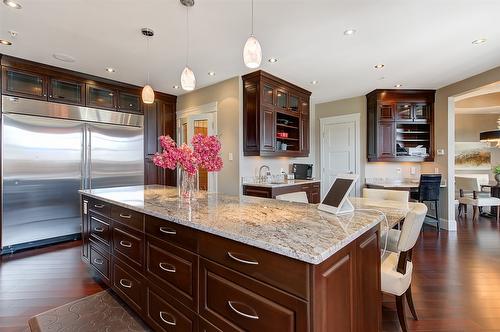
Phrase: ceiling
(423, 44)
(484, 100)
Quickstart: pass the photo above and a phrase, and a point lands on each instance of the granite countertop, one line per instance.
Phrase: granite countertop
(296, 230)
(396, 183)
(278, 185)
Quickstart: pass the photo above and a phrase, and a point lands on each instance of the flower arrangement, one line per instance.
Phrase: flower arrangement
(204, 153)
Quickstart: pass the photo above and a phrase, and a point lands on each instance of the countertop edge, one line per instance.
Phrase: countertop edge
(287, 252)
(279, 185)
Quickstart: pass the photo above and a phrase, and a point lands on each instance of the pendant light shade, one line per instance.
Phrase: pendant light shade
(188, 80)
(492, 136)
(148, 95)
(252, 53)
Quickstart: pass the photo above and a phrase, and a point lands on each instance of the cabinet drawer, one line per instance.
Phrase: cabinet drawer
(100, 207)
(167, 315)
(174, 268)
(128, 243)
(260, 264)
(100, 229)
(205, 326)
(182, 236)
(100, 262)
(128, 217)
(234, 302)
(128, 284)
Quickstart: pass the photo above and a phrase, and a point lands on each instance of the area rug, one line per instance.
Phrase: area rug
(101, 312)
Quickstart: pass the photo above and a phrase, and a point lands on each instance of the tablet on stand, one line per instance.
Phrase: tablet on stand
(336, 200)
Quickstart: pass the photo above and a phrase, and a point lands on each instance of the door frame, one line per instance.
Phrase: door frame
(197, 112)
(338, 119)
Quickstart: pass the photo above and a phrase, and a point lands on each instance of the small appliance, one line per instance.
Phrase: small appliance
(302, 171)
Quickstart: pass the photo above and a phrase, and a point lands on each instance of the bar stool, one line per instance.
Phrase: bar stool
(428, 191)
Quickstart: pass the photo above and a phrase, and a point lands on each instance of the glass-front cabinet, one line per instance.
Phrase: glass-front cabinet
(293, 103)
(267, 95)
(24, 84)
(129, 102)
(421, 112)
(404, 111)
(282, 99)
(102, 97)
(66, 91)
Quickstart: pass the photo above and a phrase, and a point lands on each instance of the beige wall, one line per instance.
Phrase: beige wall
(227, 96)
(341, 107)
(443, 127)
(467, 129)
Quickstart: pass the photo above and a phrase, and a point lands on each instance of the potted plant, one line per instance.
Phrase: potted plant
(203, 153)
(496, 169)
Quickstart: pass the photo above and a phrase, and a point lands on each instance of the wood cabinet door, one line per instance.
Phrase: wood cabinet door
(294, 103)
(22, 83)
(371, 131)
(304, 105)
(386, 140)
(281, 99)
(268, 129)
(386, 112)
(101, 97)
(66, 91)
(267, 97)
(422, 112)
(304, 135)
(129, 102)
(368, 302)
(404, 112)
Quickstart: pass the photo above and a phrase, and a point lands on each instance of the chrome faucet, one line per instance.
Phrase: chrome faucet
(267, 173)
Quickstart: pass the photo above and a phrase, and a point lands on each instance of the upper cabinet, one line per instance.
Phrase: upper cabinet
(275, 117)
(400, 125)
(26, 79)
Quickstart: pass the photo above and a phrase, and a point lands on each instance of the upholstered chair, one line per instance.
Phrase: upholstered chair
(397, 267)
(387, 195)
(470, 194)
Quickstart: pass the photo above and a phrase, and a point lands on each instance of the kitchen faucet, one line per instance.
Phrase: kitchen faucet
(261, 168)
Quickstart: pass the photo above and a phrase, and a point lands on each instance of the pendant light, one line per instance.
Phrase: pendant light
(148, 94)
(188, 80)
(491, 136)
(252, 52)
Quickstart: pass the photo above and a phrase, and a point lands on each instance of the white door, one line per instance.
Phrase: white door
(204, 124)
(339, 150)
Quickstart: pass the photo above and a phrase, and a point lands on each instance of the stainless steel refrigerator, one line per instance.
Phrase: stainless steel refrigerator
(49, 152)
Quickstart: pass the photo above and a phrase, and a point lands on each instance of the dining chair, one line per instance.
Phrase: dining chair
(386, 195)
(397, 267)
(470, 194)
(428, 191)
(298, 197)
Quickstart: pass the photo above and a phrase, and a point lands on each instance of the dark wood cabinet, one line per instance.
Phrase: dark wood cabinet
(66, 91)
(129, 101)
(22, 83)
(275, 117)
(101, 96)
(178, 278)
(399, 121)
(313, 191)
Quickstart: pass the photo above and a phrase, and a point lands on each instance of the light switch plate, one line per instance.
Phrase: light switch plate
(230, 157)
(440, 152)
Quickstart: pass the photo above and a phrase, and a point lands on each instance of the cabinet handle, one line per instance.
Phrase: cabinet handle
(99, 229)
(167, 267)
(168, 231)
(244, 261)
(126, 244)
(98, 206)
(50, 96)
(230, 303)
(126, 283)
(126, 216)
(45, 95)
(98, 261)
(169, 322)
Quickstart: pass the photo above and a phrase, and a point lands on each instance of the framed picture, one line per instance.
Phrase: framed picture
(474, 156)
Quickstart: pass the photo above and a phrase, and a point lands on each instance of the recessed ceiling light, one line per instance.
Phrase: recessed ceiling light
(110, 70)
(211, 73)
(63, 57)
(398, 85)
(12, 4)
(5, 42)
(176, 87)
(314, 82)
(273, 60)
(349, 32)
(379, 66)
(479, 41)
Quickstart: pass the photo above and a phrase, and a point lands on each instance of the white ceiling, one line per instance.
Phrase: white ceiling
(423, 44)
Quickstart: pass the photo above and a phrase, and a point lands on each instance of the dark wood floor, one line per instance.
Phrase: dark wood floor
(456, 281)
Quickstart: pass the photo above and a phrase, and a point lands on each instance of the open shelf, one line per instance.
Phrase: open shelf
(287, 126)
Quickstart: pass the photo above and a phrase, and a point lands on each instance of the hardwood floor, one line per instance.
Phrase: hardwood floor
(456, 281)
(35, 281)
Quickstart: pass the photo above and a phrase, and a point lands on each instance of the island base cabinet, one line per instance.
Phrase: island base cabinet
(235, 302)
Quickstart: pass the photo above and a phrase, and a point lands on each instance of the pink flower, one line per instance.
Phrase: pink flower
(204, 154)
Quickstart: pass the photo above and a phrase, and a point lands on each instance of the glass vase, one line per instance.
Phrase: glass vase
(188, 185)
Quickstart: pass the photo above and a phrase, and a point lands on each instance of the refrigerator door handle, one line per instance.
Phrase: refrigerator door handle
(89, 157)
(83, 171)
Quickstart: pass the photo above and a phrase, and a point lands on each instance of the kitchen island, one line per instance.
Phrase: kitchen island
(225, 263)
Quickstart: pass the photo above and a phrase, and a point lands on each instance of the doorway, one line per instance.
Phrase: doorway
(340, 149)
(200, 120)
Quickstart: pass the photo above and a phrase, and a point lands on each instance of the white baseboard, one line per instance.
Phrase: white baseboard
(449, 225)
